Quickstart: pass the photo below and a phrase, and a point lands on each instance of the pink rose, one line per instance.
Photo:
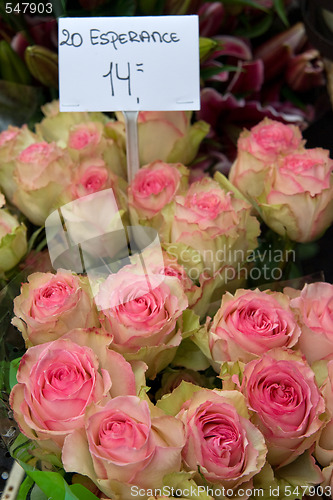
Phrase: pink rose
(91, 178)
(152, 193)
(141, 312)
(155, 186)
(269, 139)
(52, 304)
(211, 229)
(281, 391)
(221, 443)
(85, 136)
(125, 443)
(42, 173)
(56, 126)
(93, 175)
(88, 140)
(250, 323)
(314, 309)
(13, 239)
(292, 187)
(7, 136)
(324, 445)
(58, 380)
(299, 201)
(328, 480)
(12, 142)
(162, 263)
(167, 136)
(306, 170)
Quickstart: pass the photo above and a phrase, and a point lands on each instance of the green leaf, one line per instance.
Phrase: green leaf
(281, 12)
(307, 250)
(293, 97)
(183, 481)
(227, 186)
(253, 31)
(13, 368)
(59, 8)
(55, 486)
(190, 356)
(25, 488)
(18, 103)
(300, 473)
(34, 237)
(37, 494)
(206, 47)
(190, 323)
(209, 72)
(52, 484)
(82, 492)
(13, 68)
(21, 450)
(16, 22)
(172, 403)
(4, 368)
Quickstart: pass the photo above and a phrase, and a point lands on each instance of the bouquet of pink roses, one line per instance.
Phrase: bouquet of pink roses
(153, 368)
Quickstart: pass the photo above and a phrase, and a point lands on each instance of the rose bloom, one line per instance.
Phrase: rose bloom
(314, 308)
(88, 140)
(12, 142)
(281, 391)
(258, 149)
(52, 304)
(58, 380)
(56, 125)
(214, 226)
(141, 312)
(13, 239)
(299, 201)
(221, 440)
(250, 323)
(269, 139)
(292, 186)
(155, 186)
(164, 135)
(83, 134)
(84, 137)
(93, 175)
(42, 174)
(151, 195)
(125, 443)
(160, 262)
(328, 480)
(324, 445)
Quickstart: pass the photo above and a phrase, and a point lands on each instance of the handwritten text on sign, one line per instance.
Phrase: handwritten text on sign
(129, 63)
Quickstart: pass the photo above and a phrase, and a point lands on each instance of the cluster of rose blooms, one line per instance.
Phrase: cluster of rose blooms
(82, 385)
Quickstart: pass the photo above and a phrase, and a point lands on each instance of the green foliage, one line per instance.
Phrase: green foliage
(251, 30)
(281, 12)
(13, 368)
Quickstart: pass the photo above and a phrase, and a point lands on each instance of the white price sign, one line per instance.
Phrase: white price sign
(129, 63)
